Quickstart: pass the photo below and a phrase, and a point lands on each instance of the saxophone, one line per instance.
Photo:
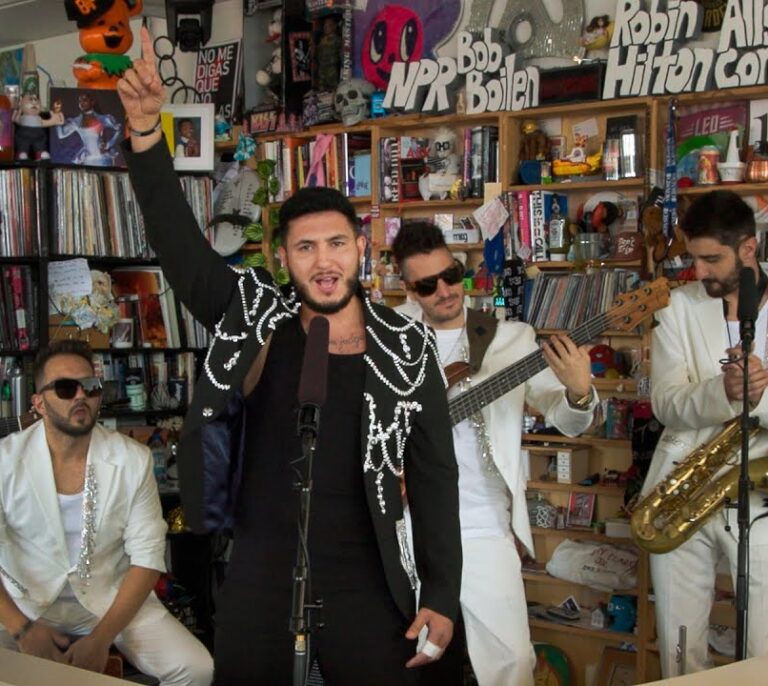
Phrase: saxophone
(690, 493)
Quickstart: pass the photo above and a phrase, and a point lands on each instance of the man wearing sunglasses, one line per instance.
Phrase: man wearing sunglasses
(385, 413)
(491, 476)
(82, 536)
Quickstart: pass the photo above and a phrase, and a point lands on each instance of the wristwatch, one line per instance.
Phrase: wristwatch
(583, 402)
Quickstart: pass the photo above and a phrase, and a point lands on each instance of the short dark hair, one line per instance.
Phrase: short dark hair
(416, 238)
(311, 200)
(721, 215)
(66, 346)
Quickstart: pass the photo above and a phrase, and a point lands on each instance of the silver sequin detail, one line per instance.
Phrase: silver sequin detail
(88, 534)
(280, 308)
(406, 559)
(477, 422)
(207, 412)
(22, 589)
(381, 452)
(232, 361)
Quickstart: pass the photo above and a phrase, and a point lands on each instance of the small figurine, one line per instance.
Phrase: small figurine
(222, 130)
(105, 35)
(442, 164)
(31, 135)
(597, 34)
(534, 144)
(328, 55)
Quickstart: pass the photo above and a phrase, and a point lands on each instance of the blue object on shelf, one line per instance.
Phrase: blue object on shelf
(529, 171)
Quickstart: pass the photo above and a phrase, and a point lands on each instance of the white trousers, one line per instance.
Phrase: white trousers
(684, 584)
(495, 613)
(164, 649)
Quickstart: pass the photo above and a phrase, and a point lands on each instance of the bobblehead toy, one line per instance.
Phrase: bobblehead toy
(31, 134)
(105, 35)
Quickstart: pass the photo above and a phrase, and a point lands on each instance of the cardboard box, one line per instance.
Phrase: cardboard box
(58, 330)
(618, 527)
(572, 465)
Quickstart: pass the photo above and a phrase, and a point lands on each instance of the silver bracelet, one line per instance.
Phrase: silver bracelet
(148, 132)
(23, 631)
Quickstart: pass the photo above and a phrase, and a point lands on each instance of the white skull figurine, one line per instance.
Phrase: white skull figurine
(352, 99)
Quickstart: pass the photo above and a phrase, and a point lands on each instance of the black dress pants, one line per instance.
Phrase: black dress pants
(362, 642)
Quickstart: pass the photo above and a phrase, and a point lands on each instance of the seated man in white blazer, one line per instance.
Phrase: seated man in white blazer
(82, 537)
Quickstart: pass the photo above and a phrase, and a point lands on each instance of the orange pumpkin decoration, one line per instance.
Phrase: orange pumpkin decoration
(105, 35)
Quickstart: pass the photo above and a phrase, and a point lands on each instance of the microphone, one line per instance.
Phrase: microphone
(313, 382)
(747, 307)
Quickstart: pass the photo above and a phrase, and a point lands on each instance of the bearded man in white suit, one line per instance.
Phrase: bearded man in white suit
(82, 537)
(697, 385)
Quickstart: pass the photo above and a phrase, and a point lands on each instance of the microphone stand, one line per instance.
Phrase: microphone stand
(742, 507)
(300, 623)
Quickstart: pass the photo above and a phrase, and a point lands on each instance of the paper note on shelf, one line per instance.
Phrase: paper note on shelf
(69, 277)
(491, 217)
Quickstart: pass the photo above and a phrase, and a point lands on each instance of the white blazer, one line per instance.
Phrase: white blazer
(504, 416)
(687, 389)
(130, 529)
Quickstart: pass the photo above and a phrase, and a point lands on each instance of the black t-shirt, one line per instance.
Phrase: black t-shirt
(343, 550)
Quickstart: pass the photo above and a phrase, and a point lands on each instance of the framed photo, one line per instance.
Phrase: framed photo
(93, 128)
(617, 667)
(189, 133)
(299, 44)
(122, 333)
(581, 507)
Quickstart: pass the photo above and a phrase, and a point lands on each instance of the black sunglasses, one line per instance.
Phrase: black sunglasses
(66, 389)
(428, 285)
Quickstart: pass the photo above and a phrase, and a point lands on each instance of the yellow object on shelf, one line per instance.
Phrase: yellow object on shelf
(590, 165)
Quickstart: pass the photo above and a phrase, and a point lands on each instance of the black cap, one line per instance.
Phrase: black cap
(85, 12)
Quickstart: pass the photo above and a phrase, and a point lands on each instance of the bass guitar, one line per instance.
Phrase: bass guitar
(627, 311)
(9, 425)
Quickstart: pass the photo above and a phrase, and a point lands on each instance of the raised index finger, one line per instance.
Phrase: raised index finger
(147, 46)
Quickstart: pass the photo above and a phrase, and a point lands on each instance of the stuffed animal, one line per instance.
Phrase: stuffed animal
(105, 35)
(269, 76)
(31, 137)
(651, 219)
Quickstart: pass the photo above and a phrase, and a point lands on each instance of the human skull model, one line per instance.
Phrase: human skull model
(352, 99)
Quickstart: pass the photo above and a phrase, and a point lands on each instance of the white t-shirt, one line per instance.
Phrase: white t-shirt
(71, 509)
(761, 332)
(484, 500)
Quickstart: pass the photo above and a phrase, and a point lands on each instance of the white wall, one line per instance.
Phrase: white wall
(57, 54)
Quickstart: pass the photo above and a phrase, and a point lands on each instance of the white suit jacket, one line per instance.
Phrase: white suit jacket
(504, 416)
(687, 389)
(129, 526)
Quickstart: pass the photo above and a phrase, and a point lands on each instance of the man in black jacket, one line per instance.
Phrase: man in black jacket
(386, 415)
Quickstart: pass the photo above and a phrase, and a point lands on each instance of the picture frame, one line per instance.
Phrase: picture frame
(189, 133)
(300, 47)
(617, 667)
(581, 507)
(122, 333)
(93, 128)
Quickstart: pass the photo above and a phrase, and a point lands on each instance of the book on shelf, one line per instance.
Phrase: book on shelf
(18, 308)
(18, 213)
(563, 301)
(476, 177)
(158, 321)
(96, 213)
(360, 178)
